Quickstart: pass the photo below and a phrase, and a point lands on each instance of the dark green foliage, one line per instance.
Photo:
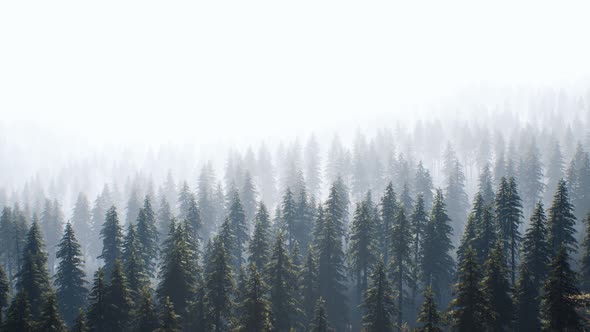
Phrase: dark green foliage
(219, 285)
(379, 302)
(304, 220)
(485, 235)
(147, 234)
(133, 264)
(485, 186)
(112, 241)
(496, 286)
(239, 227)
(528, 302)
(259, 247)
(319, 322)
(282, 281)
(163, 220)
(117, 314)
(558, 310)
(4, 292)
(509, 218)
(470, 233)
(70, 277)
(437, 266)
(309, 285)
(255, 308)
(97, 305)
(33, 277)
(50, 320)
(470, 307)
(429, 317)
(418, 222)
(388, 213)
(146, 316)
(401, 259)
(196, 319)
(289, 216)
(193, 219)
(18, 315)
(562, 221)
(584, 263)
(457, 199)
(169, 321)
(80, 323)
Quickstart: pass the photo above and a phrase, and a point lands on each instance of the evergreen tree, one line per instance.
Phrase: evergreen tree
(117, 313)
(509, 219)
(470, 233)
(379, 302)
(50, 320)
(527, 302)
(97, 304)
(18, 315)
(219, 285)
(303, 220)
(555, 170)
(51, 227)
(584, 263)
(164, 217)
(147, 234)
(82, 223)
(255, 309)
(4, 292)
(531, 178)
(496, 286)
(33, 278)
(248, 197)
(239, 227)
(362, 247)
(133, 263)
(485, 186)
(169, 319)
(309, 285)
(485, 235)
(558, 310)
(429, 316)
(423, 185)
(112, 240)
(70, 277)
(146, 316)
(289, 216)
(320, 319)
(418, 222)
(388, 214)
(437, 266)
(193, 219)
(562, 221)
(457, 199)
(196, 318)
(80, 323)
(401, 259)
(470, 307)
(184, 197)
(282, 281)
(259, 247)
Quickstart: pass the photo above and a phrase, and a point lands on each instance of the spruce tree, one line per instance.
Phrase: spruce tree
(164, 217)
(133, 263)
(289, 216)
(309, 285)
(388, 215)
(146, 316)
(379, 302)
(117, 314)
(193, 219)
(196, 318)
(437, 266)
(418, 221)
(4, 292)
(527, 302)
(558, 310)
(496, 287)
(70, 277)
(82, 223)
(401, 259)
(486, 235)
(33, 277)
(239, 226)
(562, 221)
(423, 185)
(97, 304)
(429, 316)
(304, 219)
(169, 321)
(219, 285)
(282, 281)
(147, 234)
(248, 196)
(112, 240)
(255, 309)
(184, 197)
(584, 262)
(50, 320)
(470, 231)
(80, 323)
(470, 307)
(509, 218)
(259, 248)
(18, 315)
(319, 322)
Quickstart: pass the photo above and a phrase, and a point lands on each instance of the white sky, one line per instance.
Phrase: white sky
(166, 70)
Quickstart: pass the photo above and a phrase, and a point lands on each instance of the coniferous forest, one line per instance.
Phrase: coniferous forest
(435, 225)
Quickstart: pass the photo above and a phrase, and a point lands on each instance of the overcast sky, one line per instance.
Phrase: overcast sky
(166, 70)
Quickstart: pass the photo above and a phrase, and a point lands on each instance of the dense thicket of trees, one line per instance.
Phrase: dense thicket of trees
(384, 240)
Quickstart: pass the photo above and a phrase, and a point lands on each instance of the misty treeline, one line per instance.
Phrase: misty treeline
(445, 226)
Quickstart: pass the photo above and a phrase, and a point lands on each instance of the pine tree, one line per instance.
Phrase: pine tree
(70, 277)
(496, 286)
(320, 319)
(259, 247)
(80, 323)
(50, 320)
(147, 234)
(255, 309)
(469, 308)
(388, 213)
(379, 302)
(562, 221)
(509, 218)
(97, 303)
(219, 285)
(118, 301)
(146, 316)
(4, 292)
(584, 263)
(282, 281)
(112, 240)
(401, 260)
(33, 278)
(168, 318)
(239, 227)
(133, 263)
(362, 247)
(437, 266)
(429, 316)
(558, 310)
(18, 315)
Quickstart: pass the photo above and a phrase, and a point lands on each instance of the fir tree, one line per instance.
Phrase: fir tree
(429, 316)
(470, 233)
(4, 292)
(112, 240)
(169, 319)
(282, 281)
(469, 308)
(303, 220)
(50, 320)
(309, 285)
(531, 178)
(82, 222)
(423, 185)
(193, 219)
(18, 315)
(379, 302)
(562, 221)
(289, 216)
(509, 218)
(496, 286)
(401, 261)
(584, 263)
(147, 234)
(239, 227)
(485, 235)
(184, 197)
(133, 263)
(196, 317)
(164, 217)
(418, 222)
(485, 186)
(255, 309)
(70, 277)
(558, 310)
(259, 247)
(117, 313)
(388, 214)
(146, 316)
(80, 323)
(219, 286)
(319, 322)
(97, 304)
(248, 197)
(527, 302)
